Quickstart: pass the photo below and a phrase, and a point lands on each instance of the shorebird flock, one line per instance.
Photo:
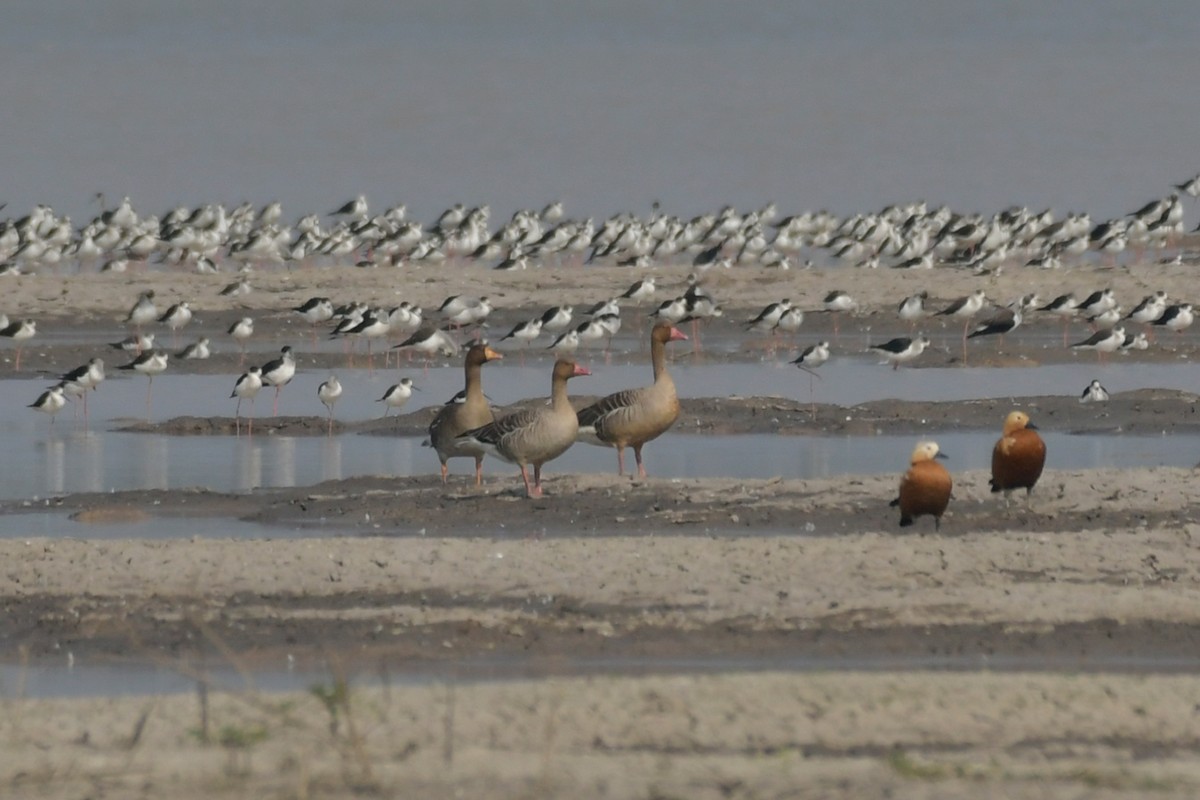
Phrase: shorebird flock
(914, 237)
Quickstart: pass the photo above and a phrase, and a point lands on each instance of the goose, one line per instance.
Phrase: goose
(535, 435)
(632, 417)
(473, 412)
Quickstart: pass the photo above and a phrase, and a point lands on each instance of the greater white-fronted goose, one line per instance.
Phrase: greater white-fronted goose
(456, 418)
(535, 435)
(632, 417)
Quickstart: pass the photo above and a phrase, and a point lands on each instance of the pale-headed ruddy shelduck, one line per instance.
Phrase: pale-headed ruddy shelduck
(50, 402)
(1102, 342)
(633, 417)
(328, 393)
(1094, 393)
(397, 395)
(925, 487)
(1018, 457)
(536, 435)
(902, 349)
(473, 412)
(278, 372)
(19, 332)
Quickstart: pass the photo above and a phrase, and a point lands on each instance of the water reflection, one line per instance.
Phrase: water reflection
(151, 464)
(72, 677)
(54, 452)
(120, 461)
(69, 458)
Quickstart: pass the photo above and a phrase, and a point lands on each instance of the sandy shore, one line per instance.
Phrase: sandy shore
(1097, 575)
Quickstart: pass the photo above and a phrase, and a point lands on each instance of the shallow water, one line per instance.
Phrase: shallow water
(116, 462)
(78, 678)
(67, 457)
(845, 380)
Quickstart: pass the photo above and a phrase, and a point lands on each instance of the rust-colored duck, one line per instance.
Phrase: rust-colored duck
(1018, 457)
(535, 435)
(925, 488)
(632, 417)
